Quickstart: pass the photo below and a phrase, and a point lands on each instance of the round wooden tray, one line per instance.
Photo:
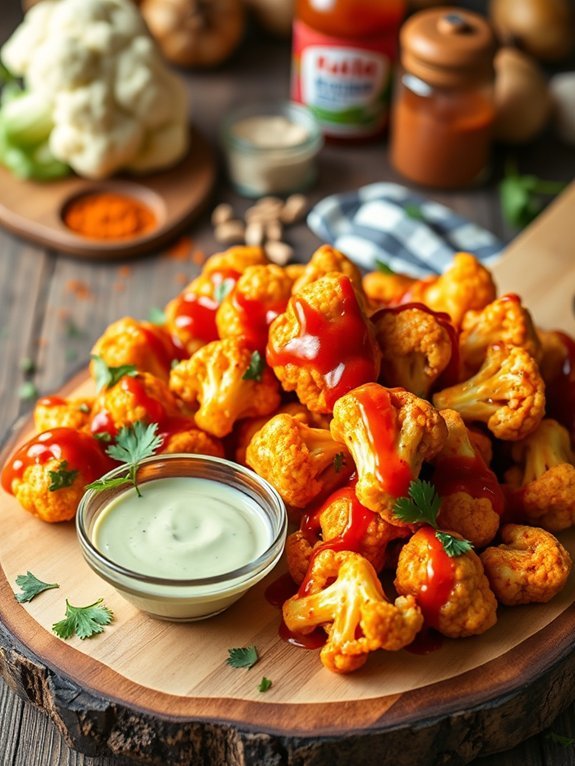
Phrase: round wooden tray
(33, 210)
(162, 693)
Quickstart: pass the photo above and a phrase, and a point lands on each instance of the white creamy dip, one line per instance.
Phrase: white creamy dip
(182, 528)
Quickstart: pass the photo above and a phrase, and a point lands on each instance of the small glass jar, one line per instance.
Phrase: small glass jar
(443, 111)
(181, 598)
(271, 148)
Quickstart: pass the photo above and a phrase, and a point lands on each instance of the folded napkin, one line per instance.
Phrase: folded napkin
(390, 223)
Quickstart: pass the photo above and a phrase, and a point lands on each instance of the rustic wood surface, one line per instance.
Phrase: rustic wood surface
(52, 308)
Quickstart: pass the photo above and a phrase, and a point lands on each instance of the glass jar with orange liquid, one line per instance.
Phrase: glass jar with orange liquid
(443, 110)
(343, 51)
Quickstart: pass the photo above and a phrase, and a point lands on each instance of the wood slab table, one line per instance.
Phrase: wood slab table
(53, 307)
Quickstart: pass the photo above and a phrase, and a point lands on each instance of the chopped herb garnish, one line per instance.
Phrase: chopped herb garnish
(85, 408)
(27, 391)
(383, 267)
(30, 587)
(156, 316)
(522, 196)
(84, 621)
(338, 462)
(27, 365)
(413, 211)
(223, 289)
(243, 657)
(264, 685)
(422, 507)
(256, 367)
(102, 436)
(133, 444)
(106, 376)
(62, 477)
(560, 739)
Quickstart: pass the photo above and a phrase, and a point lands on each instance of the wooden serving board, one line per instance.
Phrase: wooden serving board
(162, 692)
(33, 210)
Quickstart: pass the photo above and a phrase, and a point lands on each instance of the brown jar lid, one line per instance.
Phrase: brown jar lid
(448, 47)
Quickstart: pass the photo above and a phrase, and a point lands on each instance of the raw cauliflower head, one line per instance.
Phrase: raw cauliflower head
(453, 593)
(323, 346)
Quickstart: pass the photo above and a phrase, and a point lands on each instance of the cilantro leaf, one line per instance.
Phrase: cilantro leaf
(27, 365)
(101, 484)
(223, 289)
(560, 739)
(27, 391)
(106, 376)
(84, 621)
(156, 316)
(62, 477)
(264, 684)
(30, 586)
(383, 267)
(453, 546)
(256, 367)
(243, 657)
(338, 462)
(522, 196)
(422, 505)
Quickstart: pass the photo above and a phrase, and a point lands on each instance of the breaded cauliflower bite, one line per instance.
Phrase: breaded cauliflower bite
(471, 499)
(530, 566)
(466, 285)
(505, 320)
(146, 346)
(193, 440)
(58, 412)
(507, 394)
(341, 522)
(343, 594)
(323, 345)
(327, 260)
(453, 593)
(389, 433)
(383, 289)
(259, 296)
(416, 346)
(543, 481)
(48, 474)
(299, 461)
(245, 430)
(220, 376)
(141, 397)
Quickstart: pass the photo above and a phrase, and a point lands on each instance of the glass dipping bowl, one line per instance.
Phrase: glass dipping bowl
(184, 600)
(271, 148)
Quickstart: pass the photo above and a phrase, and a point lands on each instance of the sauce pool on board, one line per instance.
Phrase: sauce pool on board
(182, 528)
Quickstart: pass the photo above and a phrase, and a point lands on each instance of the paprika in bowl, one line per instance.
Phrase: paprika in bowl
(189, 540)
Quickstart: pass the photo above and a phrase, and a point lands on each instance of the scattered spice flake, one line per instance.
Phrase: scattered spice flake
(42, 342)
(119, 287)
(79, 288)
(199, 257)
(182, 278)
(125, 272)
(181, 249)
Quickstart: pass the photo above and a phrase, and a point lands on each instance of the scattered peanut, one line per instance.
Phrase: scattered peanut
(274, 231)
(255, 233)
(278, 252)
(230, 232)
(222, 213)
(294, 208)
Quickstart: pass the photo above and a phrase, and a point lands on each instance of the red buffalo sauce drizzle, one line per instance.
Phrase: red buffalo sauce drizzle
(313, 640)
(450, 374)
(102, 423)
(80, 450)
(280, 590)
(436, 590)
(51, 401)
(340, 349)
(514, 512)
(197, 313)
(256, 318)
(560, 392)
(471, 475)
(162, 346)
(379, 418)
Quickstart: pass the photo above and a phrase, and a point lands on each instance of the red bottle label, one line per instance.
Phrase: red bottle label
(344, 81)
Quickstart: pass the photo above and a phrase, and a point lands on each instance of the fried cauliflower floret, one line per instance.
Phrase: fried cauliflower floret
(416, 347)
(323, 345)
(48, 474)
(57, 412)
(544, 477)
(554, 354)
(326, 260)
(466, 285)
(505, 320)
(193, 440)
(245, 430)
(259, 296)
(353, 609)
(383, 289)
(299, 461)
(465, 606)
(389, 433)
(471, 498)
(218, 377)
(134, 398)
(294, 271)
(530, 566)
(507, 394)
(341, 522)
(146, 346)
(237, 258)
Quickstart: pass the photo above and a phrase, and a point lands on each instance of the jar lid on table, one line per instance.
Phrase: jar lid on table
(448, 47)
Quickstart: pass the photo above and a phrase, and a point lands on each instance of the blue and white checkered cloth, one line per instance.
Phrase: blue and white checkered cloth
(390, 223)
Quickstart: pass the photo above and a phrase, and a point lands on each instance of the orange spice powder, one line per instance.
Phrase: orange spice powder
(107, 215)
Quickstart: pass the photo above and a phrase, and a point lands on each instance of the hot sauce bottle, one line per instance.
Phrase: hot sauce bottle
(343, 52)
(443, 110)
